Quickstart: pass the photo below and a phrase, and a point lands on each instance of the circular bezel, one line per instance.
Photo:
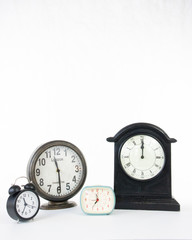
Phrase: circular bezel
(34, 159)
(15, 202)
(140, 134)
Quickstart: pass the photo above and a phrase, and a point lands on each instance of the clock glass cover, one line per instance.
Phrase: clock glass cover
(142, 157)
(58, 170)
(27, 204)
(67, 174)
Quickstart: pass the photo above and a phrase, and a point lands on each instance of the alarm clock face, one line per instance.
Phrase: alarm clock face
(97, 200)
(27, 204)
(142, 157)
(58, 170)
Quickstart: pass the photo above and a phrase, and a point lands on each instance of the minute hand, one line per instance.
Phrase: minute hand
(58, 171)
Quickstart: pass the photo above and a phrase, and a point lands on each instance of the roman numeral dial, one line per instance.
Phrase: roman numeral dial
(142, 157)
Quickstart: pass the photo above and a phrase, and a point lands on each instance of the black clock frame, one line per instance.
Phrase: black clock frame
(151, 194)
(11, 206)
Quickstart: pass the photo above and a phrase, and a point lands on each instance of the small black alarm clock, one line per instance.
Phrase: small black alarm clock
(23, 204)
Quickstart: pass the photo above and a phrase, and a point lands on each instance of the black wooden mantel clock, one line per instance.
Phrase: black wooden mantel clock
(142, 173)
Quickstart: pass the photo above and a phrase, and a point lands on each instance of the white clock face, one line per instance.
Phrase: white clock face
(97, 200)
(27, 204)
(58, 171)
(142, 157)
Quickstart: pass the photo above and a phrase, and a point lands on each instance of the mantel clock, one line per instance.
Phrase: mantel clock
(142, 174)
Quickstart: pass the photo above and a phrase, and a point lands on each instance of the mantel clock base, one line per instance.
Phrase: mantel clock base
(159, 204)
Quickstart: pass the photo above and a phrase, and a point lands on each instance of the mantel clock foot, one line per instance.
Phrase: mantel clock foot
(159, 204)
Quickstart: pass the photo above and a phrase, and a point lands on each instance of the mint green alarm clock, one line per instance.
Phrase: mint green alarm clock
(97, 200)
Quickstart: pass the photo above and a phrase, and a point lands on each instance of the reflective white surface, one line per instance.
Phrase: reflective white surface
(113, 226)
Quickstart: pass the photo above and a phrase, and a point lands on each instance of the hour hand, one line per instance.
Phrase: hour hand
(142, 148)
(96, 201)
(25, 204)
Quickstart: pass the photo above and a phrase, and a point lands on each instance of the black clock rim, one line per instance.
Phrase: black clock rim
(31, 170)
(146, 134)
(15, 209)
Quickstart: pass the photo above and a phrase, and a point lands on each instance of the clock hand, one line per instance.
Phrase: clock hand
(55, 161)
(24, 208)
(25, 204)
(30, 206)
(58, 171)
(96, 201)
(142, 148)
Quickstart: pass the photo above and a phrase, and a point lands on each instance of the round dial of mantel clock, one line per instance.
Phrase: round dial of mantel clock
(58, 170)
(142, 157)
(97, 200)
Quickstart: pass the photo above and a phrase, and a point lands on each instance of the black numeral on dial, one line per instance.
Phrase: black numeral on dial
(49, 187)
(42, 162)
(73, 159)
(41, 182)
(48, 154)
(56, 151)
(37, 172)
(74, 179)
(58, 189)
(67, 186)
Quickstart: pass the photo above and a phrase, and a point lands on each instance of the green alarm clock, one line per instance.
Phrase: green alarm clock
(97, 200)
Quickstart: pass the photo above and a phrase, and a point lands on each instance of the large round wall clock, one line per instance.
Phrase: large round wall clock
(142, 177)
(58, 171)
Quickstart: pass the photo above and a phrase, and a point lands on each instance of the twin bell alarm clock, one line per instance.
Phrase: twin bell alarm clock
(23, 203)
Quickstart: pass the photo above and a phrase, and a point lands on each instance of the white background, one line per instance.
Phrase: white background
(80, 71)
